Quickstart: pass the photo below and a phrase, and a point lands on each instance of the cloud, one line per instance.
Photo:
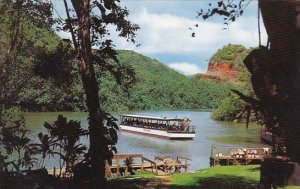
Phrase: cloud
(166, 33)
(186, 68)
(169, 33)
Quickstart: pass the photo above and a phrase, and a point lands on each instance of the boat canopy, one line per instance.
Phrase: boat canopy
(153, 117)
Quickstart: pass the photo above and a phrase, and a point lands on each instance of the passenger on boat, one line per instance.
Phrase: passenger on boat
(174, 127)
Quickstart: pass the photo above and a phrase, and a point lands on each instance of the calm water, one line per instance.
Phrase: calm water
(208, 133)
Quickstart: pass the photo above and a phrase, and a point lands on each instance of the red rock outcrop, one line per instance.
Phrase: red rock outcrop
(220, 71)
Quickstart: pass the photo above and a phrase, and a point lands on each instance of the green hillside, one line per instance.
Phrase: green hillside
(160, 87)
(157, 87)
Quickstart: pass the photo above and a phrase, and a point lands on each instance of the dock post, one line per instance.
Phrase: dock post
(118, 168)
(54, 170)
(126, 172)
(152, 167)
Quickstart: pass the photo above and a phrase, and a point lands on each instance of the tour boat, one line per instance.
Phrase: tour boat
(163, 127)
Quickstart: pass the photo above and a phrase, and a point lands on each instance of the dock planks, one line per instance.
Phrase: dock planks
(238, 155)
(160, 166)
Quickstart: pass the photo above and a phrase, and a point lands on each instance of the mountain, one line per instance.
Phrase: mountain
(160, 87)
(226, 64)
(157, 87)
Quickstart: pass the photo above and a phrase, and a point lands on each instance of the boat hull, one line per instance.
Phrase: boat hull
(157, 133)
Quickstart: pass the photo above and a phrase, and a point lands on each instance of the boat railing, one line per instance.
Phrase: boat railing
(157, 127)
(176, 129)
(188, 129)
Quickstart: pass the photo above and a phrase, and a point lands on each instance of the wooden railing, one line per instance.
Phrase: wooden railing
(177, 163)
(153, 165)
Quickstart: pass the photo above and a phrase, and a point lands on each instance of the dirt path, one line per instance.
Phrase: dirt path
(161, 182)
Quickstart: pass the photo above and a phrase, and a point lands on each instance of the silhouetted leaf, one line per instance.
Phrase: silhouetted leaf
(223, 13)
(205, 17)
(220, 3)
(113, 135)
(114, 149)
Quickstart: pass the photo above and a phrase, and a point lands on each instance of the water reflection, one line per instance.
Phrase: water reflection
(208, 132)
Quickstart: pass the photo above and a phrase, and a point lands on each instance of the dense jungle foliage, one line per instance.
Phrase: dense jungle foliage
(159, 87)
(231, 53)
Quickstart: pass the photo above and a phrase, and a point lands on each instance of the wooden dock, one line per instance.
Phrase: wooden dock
(160, 165)
(238, 155)
(127, 164)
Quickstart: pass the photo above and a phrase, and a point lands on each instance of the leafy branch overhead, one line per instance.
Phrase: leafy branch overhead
(111, 14)
(105, 16)
(230, 10)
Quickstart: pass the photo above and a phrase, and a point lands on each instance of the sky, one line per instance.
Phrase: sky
(165, 33)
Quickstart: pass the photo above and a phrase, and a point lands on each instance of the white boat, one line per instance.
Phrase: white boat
(163, 127)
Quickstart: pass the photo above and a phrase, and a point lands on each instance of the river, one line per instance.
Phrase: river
(208, 133)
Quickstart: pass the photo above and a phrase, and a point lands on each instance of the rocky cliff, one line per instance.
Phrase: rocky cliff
(225, 64)
(223, 71)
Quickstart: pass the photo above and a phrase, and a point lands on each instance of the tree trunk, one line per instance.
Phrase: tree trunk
(282, 20)
(98, 145)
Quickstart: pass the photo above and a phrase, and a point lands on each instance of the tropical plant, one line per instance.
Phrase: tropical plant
(45, 147)
(129, 161)
(16, 150)
(63, 142)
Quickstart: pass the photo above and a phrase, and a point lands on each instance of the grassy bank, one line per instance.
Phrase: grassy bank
(232, 177)
(227, 177)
